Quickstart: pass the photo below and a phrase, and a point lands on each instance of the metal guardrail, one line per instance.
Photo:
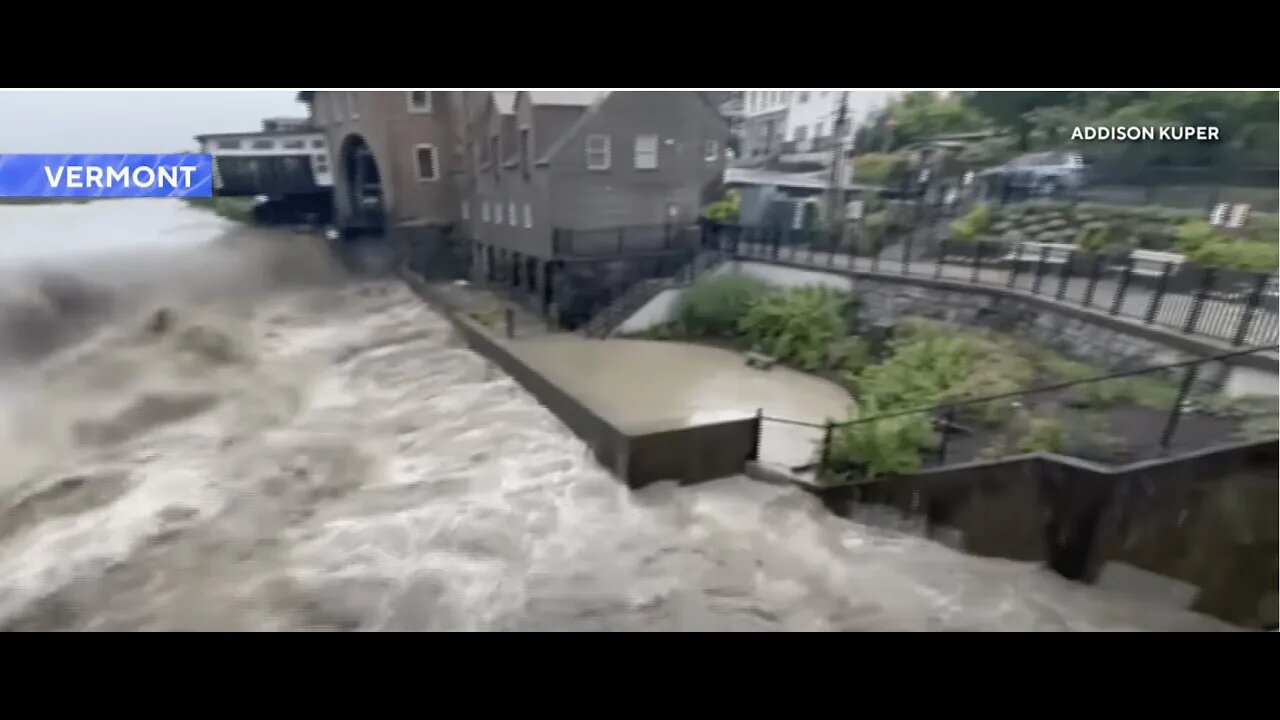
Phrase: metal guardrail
(1235, 306)
(1155, 439)
(621, 241)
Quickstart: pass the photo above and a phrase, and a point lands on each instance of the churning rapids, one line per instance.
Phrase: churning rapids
(231, 435)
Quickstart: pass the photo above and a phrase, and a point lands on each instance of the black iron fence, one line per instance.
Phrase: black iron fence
(1117, 418)
(1235, 306)
(620, 241)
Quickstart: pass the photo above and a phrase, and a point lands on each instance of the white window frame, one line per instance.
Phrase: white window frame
(710, 151)
(605, 151)
(484, 211)
(646, 158)
(528, 215)
(435, 162)
(419, 109)
(512, 220)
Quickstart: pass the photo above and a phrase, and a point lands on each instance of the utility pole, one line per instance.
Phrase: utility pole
(835, 200)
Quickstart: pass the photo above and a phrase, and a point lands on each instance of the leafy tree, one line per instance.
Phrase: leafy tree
(922, 114)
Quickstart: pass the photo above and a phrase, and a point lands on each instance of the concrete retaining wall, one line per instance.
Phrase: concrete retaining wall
(690, 454)
(1197, 531)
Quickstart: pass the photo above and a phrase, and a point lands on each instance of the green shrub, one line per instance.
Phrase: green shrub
(715, 305)
(726, 209)
(876, 167)
(974, 222)
(850, 355)
(891, 446)
(1204, 244)
(796, 325)
(1042, 435)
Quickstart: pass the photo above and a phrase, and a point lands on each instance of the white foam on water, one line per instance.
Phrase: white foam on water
(359, 470)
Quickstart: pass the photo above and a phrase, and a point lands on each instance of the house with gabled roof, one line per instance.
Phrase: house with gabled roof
(560, 177)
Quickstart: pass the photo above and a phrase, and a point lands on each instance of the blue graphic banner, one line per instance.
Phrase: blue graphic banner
(106, 176)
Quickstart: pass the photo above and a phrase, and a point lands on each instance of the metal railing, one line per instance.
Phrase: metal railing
(620, 241)
(1235, 306)
(1116, 418)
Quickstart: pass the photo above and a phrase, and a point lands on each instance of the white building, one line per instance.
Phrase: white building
(799, 121)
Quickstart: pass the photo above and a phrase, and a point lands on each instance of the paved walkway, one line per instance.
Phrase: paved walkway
(1218, 321)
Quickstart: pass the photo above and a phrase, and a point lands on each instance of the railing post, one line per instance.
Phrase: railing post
(1015, 251)
(833, 244)
(1064, 276)
(942, 254)
(511, 324)
(876, 246)
(1197, 303)
(1117, 302)
(758, 432)
(977, 262)
(826, 448)
(1251, 309)
(1094, 273)
(1041, 263)
(948, 418)
(906, 253)
(1175, 413)
(1153, 307)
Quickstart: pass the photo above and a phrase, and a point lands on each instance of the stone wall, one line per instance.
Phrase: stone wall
(1109, 343)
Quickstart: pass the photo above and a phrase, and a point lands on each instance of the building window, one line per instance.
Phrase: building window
(317, 143)
(528, 215)
(817, 129)
(353, 109)
(419, 101)
(263, 144)
(598, 152)
(711, 151)
(484, 211)
(428, 164)
(294, 144)
(511, 214)
(524, 151)
(228, 144)
(646, 152)
(466, 210)
(800, 133)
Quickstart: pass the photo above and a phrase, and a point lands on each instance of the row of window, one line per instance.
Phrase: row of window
(757, 100)
(342, 106)
(268, 144)
(645, 152)
(493, 213)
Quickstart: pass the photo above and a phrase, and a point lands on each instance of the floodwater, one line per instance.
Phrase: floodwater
(232, 436)
(647, 386)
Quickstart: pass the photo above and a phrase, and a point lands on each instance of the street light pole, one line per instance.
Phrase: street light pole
(835, 202)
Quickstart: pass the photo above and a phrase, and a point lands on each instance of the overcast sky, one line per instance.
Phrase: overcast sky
(131, 121)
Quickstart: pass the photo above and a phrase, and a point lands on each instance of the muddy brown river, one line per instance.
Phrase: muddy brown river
(220, 431)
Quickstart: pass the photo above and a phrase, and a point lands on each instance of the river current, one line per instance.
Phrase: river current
(221, 431)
